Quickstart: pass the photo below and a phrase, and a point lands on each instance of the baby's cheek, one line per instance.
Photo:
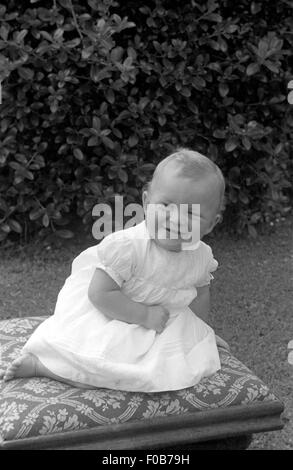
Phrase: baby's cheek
(203, 228)
(194, 226)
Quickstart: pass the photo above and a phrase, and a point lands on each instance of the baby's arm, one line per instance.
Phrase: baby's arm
(201, 304)
(201, 307)
(105, 294)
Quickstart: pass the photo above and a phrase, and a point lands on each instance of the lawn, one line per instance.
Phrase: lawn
(252, 302)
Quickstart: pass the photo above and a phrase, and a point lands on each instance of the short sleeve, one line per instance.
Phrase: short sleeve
(208, 265)
(116, 257)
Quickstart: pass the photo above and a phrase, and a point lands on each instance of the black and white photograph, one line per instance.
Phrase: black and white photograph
(146, 216)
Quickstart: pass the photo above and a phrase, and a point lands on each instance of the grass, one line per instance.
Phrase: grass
(252, 308)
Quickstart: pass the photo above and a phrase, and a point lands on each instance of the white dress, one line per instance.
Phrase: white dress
(81, 344)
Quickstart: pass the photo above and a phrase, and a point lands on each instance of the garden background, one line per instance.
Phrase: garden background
(95, 93)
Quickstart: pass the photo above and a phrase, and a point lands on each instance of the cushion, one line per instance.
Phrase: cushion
(32, 407)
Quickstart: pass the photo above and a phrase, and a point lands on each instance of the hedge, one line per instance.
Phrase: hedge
(95, 93)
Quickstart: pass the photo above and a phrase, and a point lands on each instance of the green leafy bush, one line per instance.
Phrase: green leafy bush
(95, 93)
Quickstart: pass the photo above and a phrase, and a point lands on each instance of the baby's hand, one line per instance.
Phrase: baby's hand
(156, 318)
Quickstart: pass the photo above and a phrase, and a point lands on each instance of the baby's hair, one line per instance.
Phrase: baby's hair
(194, 166)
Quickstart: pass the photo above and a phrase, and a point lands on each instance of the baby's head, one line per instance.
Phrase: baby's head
(184, 178)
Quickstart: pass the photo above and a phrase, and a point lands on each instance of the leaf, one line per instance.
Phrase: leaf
(78, 154)
(290, 97)
(192, 107)
(101, 23)
(255, 8)
(219, 134)
(213, 151)
(133, 141)
(73, 43)
(43, 48)
(117, 133)
(277, 99)
(3, 236)
(243, 197)
(214, 45)
(18, 179)
(4, 30)
(123, 175)
(21, 35)
(5, 228)
(111, 173)
(223, 45)
(58, 34)
(64, 233)
(157, 46)
(252, 231)
(98, 74)
(234, 173)
(271, 66)
(61, 222)
(185, 92)
(16, 166)
(25, 73)
(246, 143)
(252, 69)
(54, 106)
(4, 125)
(96, 123)
(15, 226)
(255, 217)
(95, 188)
(27, 174)
(279, 148)
(117, 54)
(128, 62)
(36, 213)
(94, 140)
(87, 52)
(110, 96)
(108, 142)
(45, 220)
(46, 35)
(223, 89)
(162, 120)
(231, 28)
(231, 144)
(147, 167)
(198, 83)
(263, 48)
(143, 102)
(214, 16)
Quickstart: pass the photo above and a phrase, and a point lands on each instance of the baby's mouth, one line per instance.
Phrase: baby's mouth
(178, 234)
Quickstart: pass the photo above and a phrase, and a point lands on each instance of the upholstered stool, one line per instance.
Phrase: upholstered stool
(42, 413)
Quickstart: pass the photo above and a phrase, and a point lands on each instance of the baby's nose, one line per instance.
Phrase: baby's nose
(180, 221)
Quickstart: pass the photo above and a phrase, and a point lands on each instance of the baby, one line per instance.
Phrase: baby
(132, 315)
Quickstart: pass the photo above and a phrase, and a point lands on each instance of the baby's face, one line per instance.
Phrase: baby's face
(169, 188)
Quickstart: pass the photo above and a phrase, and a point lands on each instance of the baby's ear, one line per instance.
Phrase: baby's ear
(218, 219)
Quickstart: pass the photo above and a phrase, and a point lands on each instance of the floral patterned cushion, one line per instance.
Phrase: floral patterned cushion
(40, 406)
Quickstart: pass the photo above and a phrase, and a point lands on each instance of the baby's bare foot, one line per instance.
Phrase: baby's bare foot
(28, 365)
(23, 366)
